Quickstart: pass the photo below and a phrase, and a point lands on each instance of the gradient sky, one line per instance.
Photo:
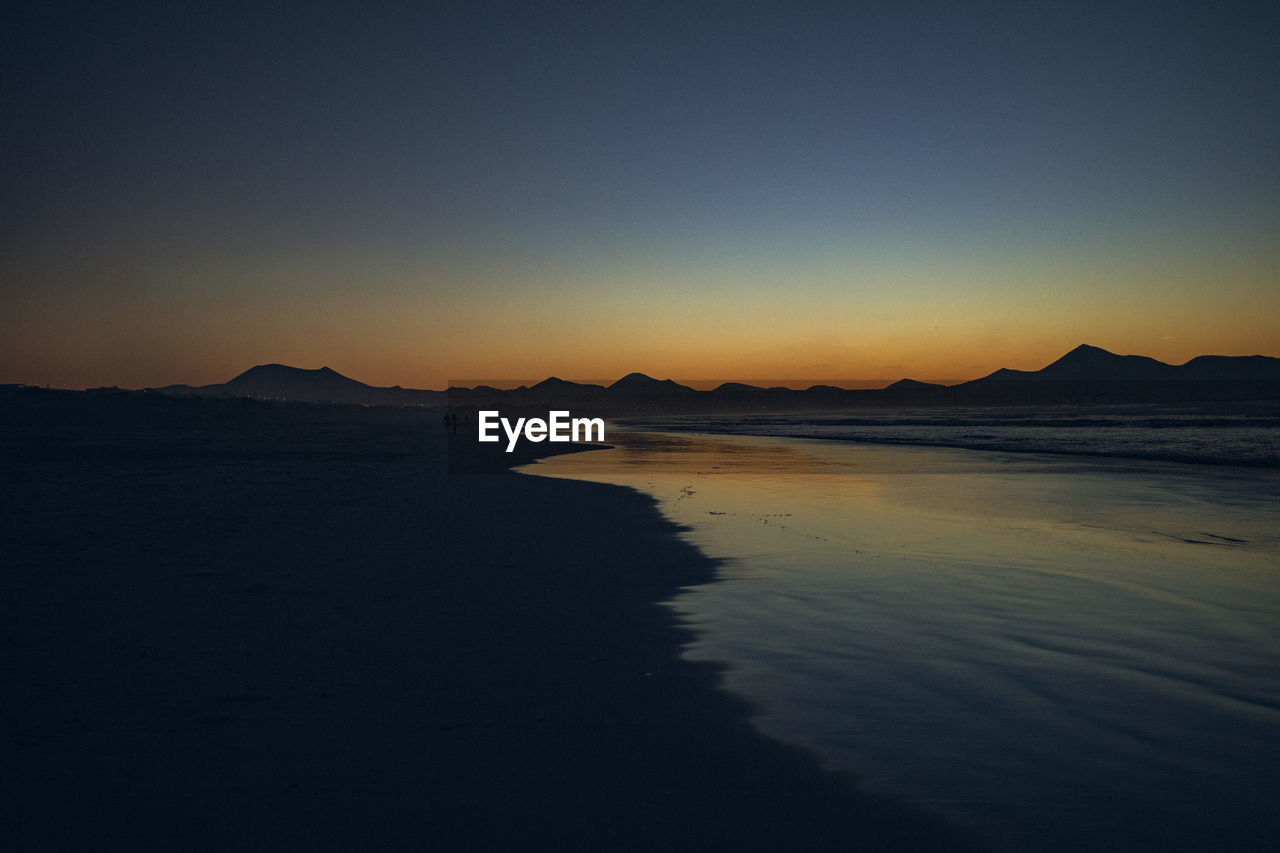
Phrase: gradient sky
(413, 192)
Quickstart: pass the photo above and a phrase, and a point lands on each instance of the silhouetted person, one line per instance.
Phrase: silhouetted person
(453, 423)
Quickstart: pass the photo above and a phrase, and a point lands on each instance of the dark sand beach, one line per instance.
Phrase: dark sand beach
(233, 625)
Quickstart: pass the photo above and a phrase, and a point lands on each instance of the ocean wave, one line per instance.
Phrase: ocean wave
(1248, 441)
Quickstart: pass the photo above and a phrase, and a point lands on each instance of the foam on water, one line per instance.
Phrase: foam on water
(1139, 433)
(1081, 652)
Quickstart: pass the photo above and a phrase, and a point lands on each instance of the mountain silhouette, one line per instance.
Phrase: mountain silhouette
(1093, 364)
(279, 381)
(736, 388)
(637, 384)
(1226, 368)
(322, 385)
(556, 385)
(909, 385)
(1090, 375)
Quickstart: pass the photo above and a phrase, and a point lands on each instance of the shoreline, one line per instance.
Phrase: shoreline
(899, 611)
(1261, 458)
(278, 635)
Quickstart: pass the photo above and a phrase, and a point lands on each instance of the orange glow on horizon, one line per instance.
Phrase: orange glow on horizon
(421, 323)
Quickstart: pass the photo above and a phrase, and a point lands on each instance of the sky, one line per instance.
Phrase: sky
(410, 193)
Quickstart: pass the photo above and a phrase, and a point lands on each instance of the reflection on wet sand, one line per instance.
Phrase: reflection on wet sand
(1080, 650)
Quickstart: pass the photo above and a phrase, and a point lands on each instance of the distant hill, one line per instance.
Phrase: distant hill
(555, 385)
(1093, 364)
(913, 386)
(323, 385)
(638, 384)
(1224, 368)
(294, 383)
(1091, 374)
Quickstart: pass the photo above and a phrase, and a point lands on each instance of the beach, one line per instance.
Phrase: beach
(1077, 651)
(235, 625)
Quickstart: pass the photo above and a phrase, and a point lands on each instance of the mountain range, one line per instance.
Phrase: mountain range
(1086, 374)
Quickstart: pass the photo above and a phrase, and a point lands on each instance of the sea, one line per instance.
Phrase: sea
(1063, 629)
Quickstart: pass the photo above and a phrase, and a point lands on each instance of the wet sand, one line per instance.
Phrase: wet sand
(1079, 651)
(236, 626)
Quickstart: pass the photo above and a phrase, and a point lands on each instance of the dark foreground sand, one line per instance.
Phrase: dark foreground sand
(234, 626)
